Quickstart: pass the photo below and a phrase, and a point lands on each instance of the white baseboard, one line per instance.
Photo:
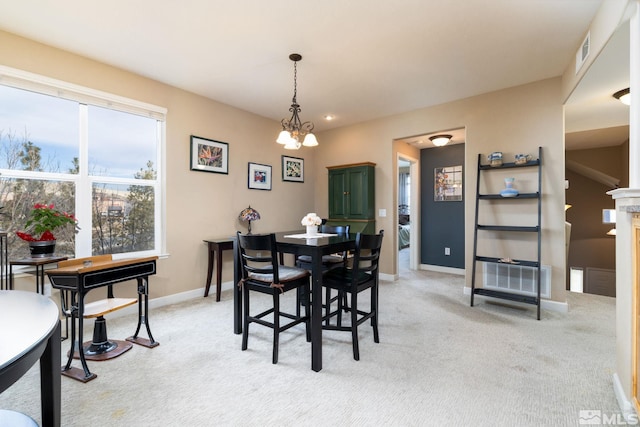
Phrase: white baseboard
(388, 277)
(166, 300)
(626, 407)
(441, 269)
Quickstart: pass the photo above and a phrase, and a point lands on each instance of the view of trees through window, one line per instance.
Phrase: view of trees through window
(46, 158)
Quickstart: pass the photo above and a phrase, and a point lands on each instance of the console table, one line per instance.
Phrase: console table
(34, 334)
(215, 248)
(39, 263)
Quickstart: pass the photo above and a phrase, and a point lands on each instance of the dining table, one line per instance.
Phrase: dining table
(30, 333)
(297, 242)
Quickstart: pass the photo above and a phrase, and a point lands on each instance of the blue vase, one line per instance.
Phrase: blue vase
(509, 191)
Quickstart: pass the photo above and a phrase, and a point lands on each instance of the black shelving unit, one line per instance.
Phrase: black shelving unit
(537, 228)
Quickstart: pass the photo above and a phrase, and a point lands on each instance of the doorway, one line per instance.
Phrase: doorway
(407, 198)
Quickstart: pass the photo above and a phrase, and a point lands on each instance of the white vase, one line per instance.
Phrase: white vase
(312, 230)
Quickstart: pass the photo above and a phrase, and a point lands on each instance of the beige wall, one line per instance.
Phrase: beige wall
(201, 205)
(515, 120)
(198, 205)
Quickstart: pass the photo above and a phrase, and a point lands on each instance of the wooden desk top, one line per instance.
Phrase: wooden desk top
(95, 263)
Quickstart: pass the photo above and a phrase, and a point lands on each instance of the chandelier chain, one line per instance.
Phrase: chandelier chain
(295, 81)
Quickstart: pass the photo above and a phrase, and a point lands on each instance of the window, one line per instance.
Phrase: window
(91, 153)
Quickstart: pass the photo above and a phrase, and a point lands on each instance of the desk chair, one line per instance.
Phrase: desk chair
(101, 347)
(261, 272)
(361, 276)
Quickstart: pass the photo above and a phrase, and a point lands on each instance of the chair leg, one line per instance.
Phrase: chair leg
(307, 313)
(327, 302)
(340, 308)
(374, 310)
(276, 325)
(354, 325)
(245, 329)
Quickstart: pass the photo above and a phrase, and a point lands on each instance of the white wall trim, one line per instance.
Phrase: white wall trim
(441, 269)
(623, 402)
(388, 277)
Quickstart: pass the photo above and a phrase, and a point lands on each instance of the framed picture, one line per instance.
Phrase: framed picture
(292, 169)
(208, 155)
(447, 184)
(259, 176)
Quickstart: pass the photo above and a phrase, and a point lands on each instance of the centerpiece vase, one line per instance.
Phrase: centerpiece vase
(42, 248)
(312, 230)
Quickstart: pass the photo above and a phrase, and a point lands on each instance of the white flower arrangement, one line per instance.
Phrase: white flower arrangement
(311, 219)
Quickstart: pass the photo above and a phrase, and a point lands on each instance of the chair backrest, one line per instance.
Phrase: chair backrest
(334, 229)
(367, 254)
(258, 254)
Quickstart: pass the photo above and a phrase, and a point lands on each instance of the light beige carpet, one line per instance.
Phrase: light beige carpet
(439, 363)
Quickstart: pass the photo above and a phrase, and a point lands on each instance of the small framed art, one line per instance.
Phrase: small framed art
(208, 155)
(259, 176)
(447, 184)
(292, 169)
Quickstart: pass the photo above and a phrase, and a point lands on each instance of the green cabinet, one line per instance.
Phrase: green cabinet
(352, 196)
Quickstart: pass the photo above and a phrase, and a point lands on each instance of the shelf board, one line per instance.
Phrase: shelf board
(527, 299)
(530, 229)
(522, 262)
(511, 165)
(499, 197)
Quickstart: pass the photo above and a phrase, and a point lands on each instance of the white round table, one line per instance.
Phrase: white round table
(31, 331)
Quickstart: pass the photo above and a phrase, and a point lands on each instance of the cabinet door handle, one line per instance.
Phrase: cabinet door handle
(346, 193)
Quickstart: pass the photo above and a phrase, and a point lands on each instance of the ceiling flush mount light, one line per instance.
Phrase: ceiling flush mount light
(623, 96)
(440, 140)
(296, 133)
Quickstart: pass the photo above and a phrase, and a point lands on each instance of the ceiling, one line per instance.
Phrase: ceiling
(593, 117)
(362, 59)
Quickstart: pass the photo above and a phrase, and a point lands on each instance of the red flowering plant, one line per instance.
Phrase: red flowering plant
(43, 220)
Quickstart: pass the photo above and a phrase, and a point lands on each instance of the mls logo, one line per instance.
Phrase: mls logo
(590, 417)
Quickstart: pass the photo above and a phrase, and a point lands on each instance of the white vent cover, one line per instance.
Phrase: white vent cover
(516, 278)
(583, 52)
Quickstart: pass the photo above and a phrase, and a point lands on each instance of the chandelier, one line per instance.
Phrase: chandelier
(294, 130)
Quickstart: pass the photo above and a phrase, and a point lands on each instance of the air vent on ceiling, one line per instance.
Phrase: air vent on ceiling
(583, 52)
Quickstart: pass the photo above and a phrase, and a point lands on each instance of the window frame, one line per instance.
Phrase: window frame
(84, 181)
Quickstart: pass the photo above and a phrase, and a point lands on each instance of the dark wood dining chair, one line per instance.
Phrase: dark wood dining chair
(362, 276)
(328, 262)
(261, 272)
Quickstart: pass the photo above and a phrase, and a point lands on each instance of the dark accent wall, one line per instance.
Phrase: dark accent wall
(442, 223)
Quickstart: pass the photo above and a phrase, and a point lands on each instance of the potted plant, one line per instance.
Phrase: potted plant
(43, 221)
